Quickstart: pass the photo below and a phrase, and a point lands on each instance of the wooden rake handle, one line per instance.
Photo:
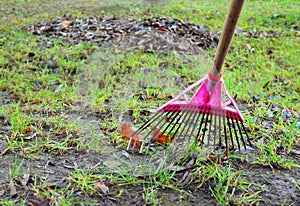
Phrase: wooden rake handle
(226, 36)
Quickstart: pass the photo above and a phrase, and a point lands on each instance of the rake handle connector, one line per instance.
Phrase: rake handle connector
(226, 36)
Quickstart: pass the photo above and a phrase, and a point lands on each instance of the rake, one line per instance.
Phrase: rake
(204, 111)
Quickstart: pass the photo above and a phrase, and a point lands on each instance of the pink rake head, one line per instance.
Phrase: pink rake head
(207, 100)
(203, 116)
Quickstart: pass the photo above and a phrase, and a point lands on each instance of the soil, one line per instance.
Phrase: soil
(54, 169)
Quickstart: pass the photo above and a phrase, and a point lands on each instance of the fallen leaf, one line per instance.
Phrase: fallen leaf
(162, 29)
(161, 138)
(127, 130)
(65, 23)
(29, 129)
(225, 153)
(101, 186)
(213, 159)
(181, 21)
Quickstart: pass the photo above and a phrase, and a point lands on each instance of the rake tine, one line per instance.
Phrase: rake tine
(187, 122)
(187, 114)
(147, 124)
(209, 130)
(225, 133)
(236, 136)
(230, 132)
(215, 131)
(220, 132)
(240, 131)
(150, 121)
(159, 128)
(150, 131)
(206, 120)
(178, 119)
(194, 123)
(248, 139)
(168, 126)
(176, 123)
(198, 117)
(143, 127)
(179, 125)
(156, 126)
(200, 126)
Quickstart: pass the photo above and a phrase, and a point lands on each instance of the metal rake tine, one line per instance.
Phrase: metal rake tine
(193, 122)
(225, 133)
(177, 113)
(215, 131)
(230, 132)
(159, 128)
(200, 126)
(179, 125)
(198, 117)
(236, 136)
(150, 121)
(248, 139)
(143, 127)
(188, 120)
(240, 131)
(220, 132)
(209, 130)
(187, 114)
(165, 129)
(206, 120)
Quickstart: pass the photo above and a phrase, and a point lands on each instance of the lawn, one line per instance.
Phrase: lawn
(63, 100)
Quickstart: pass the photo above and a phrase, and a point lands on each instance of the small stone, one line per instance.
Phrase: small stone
(286, 112)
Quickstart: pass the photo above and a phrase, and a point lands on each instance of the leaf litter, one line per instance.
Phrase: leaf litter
(150, 34)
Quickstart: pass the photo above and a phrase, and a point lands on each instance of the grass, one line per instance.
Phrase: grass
(56, 97)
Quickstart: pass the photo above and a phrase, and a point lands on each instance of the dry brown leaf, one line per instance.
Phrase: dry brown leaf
(29, 129)
(101, 186)
(65, 23)
(127, 130)
(225, 153)
(161, 138)
(213, 159)
(162, 29)
(181, 21)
